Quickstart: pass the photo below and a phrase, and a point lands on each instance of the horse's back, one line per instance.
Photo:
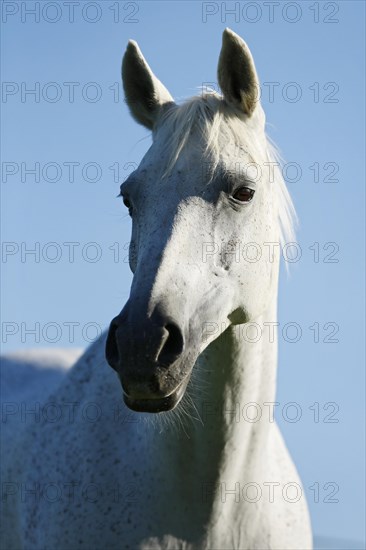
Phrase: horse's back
(62, 424)
(32, 374)
(27, 379)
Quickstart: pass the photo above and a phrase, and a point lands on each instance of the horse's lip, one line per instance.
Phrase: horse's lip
(159, 404)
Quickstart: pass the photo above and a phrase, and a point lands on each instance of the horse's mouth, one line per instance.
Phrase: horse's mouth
(160, 404)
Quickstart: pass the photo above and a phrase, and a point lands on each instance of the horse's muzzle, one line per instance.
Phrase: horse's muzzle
(147, 355)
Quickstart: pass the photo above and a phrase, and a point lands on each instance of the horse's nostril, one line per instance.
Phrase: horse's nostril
(111, 348)
(173, 345)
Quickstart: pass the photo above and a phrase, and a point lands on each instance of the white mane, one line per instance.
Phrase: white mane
(213, 117)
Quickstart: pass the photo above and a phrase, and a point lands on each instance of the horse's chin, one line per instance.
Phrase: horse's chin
(160, 404)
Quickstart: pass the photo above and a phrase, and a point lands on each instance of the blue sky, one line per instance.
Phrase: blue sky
(76, 133)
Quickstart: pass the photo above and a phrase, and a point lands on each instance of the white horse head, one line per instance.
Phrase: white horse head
(204, 193)
(207, 187)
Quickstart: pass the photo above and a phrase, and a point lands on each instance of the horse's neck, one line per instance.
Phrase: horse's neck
(236, 375)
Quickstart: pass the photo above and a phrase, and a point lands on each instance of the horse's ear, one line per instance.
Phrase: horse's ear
(236, 72)
(144, 93)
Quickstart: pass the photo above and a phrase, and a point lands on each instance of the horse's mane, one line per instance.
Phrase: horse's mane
(214, 118)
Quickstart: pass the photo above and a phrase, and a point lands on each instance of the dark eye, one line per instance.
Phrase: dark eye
(244, 194)
(127, 204)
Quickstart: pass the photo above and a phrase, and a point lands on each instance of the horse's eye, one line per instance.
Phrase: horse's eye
(127, 203)
(244, 194)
